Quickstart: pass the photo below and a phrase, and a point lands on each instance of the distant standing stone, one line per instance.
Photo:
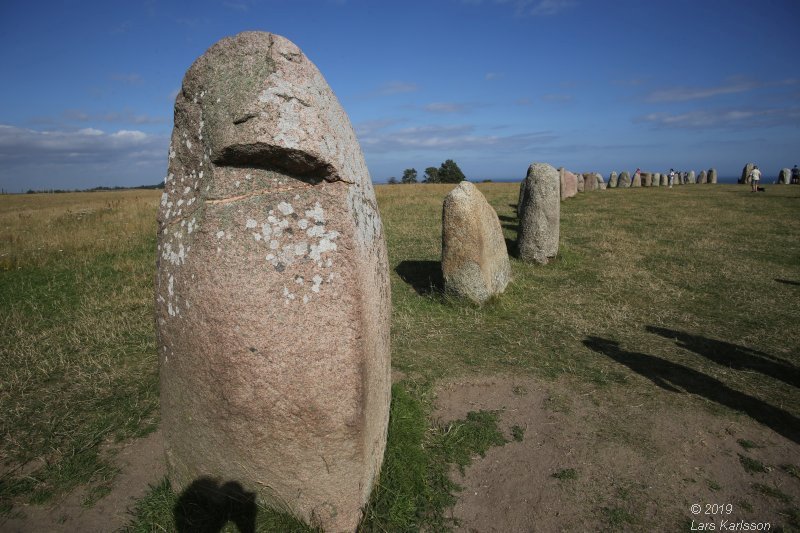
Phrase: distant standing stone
(612, 180)
(656, 179)
(691, 178)
(702, 178)
(569, 184)
(748, 168)
(637, 180)
(624, 179)
(712, 175)
(785, 176)
(647, 179)
(664, 179)
(474, 256)
(581, 183)
(272, 288)
(589, 181)
(540, 224)
(601, 183)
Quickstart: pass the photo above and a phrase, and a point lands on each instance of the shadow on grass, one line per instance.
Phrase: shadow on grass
(205, 507)
(424, 276)
(733, 355)
(674, 377)
(511, 247)
(506, 218)
(787, 282)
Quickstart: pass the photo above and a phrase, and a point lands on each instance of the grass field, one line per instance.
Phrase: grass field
(695, 289)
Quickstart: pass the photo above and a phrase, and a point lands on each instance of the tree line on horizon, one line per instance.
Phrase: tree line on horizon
(448, 172)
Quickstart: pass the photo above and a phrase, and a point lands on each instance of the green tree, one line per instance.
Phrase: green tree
(392, 181)
(450, 173)
(431, 175)
(409, 175)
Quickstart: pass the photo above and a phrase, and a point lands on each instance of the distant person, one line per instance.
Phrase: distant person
(795, 175)
(755, 177)
(671, 177)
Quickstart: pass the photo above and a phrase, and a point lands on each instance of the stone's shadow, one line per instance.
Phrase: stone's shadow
(733, 355)
(425, 277)
(787, 281)
(205, 507)
(511, 246)
(506, 218)
(674, 377)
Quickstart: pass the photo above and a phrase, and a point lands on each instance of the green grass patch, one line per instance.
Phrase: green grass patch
(772, 492)
(747, 444)
(566, 473)
(413, 492)
(517, 433)
(752, 466)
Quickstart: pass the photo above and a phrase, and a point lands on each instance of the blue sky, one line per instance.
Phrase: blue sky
(88, 87)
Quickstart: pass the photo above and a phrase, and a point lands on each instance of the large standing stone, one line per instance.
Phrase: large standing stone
(624, 179)
(785, 176)
(691, 178)
(647, 179)
(664, 179)
(272, 298)
(712, 175)
(748, 168)
(541, 216)
(474, 256)
(702, 178)
(569, 184)
(581, 183)
(637, 179)
(589, 181)
(612, 180)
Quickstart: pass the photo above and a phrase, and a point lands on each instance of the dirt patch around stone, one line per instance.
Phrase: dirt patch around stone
(610, 459)
(141, 464)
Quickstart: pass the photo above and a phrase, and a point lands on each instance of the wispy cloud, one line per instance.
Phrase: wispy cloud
(493, 75)
(237, 5)
(397, 87)
(126, 117)
(524, 101)
(557, 97)
(129, 78)
(450, 107)
(723, 118)
(732, 86)
(452, 138)
(532, 8)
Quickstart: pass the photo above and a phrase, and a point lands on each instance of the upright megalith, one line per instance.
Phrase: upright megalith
(647, 179)
(474, 256)
(656, 179)
(785, 176)
(691, 178)
(569, 184)
(272, 290)
(612, 180)
(664, 179)
(624, 179)
(636, 181)
(589, 181)
(712, 175)
(748, 168)
(581, 183)
(702, 177)
(541, 215)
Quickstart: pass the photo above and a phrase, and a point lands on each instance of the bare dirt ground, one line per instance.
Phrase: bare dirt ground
(588, 460)
(598, 460)
(141, 463)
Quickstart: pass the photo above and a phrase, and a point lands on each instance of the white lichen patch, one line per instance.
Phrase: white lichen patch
(285, 208)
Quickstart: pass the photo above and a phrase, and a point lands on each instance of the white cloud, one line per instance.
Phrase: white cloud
(722, 118)
(451, 138)
(532, 8)
(493, 75)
